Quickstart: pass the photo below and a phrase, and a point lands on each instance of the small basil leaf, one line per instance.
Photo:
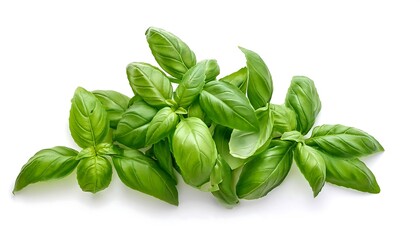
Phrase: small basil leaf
(150, 83)
(115, 104)
(194, 151)
(244, 144)
(94, 174)
(238, 79)
(47, 164)
(294, 136)
(170, 52)
(302, 97)
(260, 84)
(195, 110)
(284, 119)
(131, 130)
(344, 141)
(350, 173)
(226, 192)
(89, 123)
(191, 85)
(266, 171)
(164, 157)
(163, 123)
(221, 137)
(212, 69)
(226, 105)
(107, 149)
(141, 173)
(312, 165)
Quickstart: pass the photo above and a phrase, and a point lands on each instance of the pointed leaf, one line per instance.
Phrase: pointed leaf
(238, 79)
(226, 192)
(163, 123)
(115, 104)
(94, 174)
(164, 157)
(191, 85)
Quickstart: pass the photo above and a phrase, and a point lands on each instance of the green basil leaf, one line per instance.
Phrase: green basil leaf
(266, 171)
(344, 141)
(107, 149)
(221, 137)
(226, 192)
(284, 119)
(161, 125)
(150, 83)
(131, 130)
(94, 174)
(350, 173)
(191, 85)
(134, 99)
(115, 104)
(195, 110)
(293, 136)
(226, 105)
(302, 97)
(164, 157)
(212, 69)
(170, 52)
(89, 124)
(244, 144)
(47, 164)
(194, 151)
(312, 165)
(260, 84)
(238, 79)
(141, 173)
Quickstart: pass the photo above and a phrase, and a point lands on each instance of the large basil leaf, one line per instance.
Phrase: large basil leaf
(194, 151)
(221, 137)
(47, 164)
(226, 105)
(212, 69)
(244, 144)
(150, 83)
(312, 165)
(350, 173)
(141, 173)
(266, 171)
(238, 79)
(191, 85)
(284, 119)
(226, 192)
(344, 141)
(260, 84)
(89, 123)
(170, 52)
(115, 104)
(164, 158)
(131, 130)
(161, 125)
(302, 97)
(94, 174)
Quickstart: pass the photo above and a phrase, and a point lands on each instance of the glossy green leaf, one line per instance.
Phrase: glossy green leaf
(238, 79)
(141, 173)
(47, 164)
(284, 119)
(212, 69)
(312, 165)
(191, 85)
(115, 104)
(94, 174)
(344, 141)
(244, 144)
(164, 157)
(194, 151)
(226, 105)
(260, 84)
(302, 97)
(149, 83)
(350, 173)
(89, 124)
(131, 130)
(134, 99)
(266, 171)
(226, 192)
(293, 136)
(170, 52)
(221, 137)
(161, 125)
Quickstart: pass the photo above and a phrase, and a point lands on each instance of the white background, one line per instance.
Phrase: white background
(364, 57)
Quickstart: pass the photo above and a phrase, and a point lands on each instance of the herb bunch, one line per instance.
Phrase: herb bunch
(221, 135)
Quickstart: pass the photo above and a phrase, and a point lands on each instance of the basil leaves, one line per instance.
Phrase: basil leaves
(221, 135)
